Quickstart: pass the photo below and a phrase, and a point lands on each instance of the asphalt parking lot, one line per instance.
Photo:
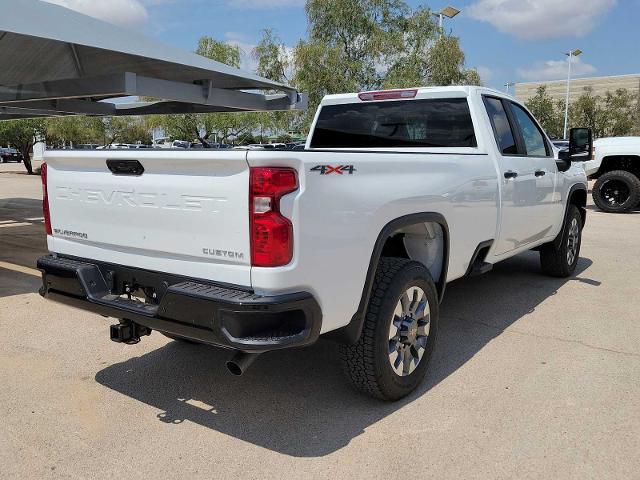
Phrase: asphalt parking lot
(532, 378)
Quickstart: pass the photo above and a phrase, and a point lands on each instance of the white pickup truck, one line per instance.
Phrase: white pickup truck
(354, 238)
(616, 168)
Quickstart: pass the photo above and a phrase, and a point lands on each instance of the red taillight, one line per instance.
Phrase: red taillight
(271, 232)
(45, 200)
(387, 95)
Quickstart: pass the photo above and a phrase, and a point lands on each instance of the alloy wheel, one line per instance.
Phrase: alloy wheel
(409, 331)
(573, 241)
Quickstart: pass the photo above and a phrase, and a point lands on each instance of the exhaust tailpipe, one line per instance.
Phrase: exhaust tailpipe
(239, 363)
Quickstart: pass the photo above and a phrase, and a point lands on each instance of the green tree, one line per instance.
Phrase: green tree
(622, 115)
(587, 111)
(22, 135)
(547, 112)
(321, 69)
(71, 129)
(365, 32)
(125, 130)
(219, 51)
(272, 58)
(274, 62)
(446, 64)
(356, 45)
(410, 64)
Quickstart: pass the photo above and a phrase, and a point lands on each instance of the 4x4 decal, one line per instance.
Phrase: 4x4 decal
(329, 169)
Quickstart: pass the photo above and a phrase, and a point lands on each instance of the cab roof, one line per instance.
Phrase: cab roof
(454, 91)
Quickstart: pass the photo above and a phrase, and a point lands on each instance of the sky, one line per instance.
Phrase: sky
(506, 40)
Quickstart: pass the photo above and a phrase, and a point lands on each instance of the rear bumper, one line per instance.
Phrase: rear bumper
(223, 315)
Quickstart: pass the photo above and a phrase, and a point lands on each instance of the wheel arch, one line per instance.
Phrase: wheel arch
(577, 196)
(350, 333)
(628, 163)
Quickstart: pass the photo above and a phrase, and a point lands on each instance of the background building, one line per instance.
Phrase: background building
(557, 89)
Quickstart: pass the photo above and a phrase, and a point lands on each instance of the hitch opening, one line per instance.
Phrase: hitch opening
(128, 332)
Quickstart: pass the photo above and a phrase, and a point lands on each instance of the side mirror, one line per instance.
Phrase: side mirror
(580, 148)
(580, 143)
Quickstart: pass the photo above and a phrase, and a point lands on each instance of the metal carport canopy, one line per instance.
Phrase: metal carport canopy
(55, 61)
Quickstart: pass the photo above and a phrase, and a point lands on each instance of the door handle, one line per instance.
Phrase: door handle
(510, 174)
(540, 173)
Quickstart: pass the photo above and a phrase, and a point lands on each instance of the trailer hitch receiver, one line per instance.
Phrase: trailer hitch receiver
(128, 332)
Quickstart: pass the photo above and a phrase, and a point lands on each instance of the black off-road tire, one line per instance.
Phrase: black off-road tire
(366, 363)
(629, 185)
(555, 258)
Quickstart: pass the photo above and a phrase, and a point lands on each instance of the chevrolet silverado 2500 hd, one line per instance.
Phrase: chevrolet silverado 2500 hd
(354, 238)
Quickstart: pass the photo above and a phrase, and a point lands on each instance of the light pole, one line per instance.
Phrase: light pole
(448, 12)
(570, 54)
(509, 85)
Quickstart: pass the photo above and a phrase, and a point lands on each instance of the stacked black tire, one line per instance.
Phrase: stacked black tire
(617, 191)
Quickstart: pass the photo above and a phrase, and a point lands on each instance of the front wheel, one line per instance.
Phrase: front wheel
(391, 357)
(559, 258)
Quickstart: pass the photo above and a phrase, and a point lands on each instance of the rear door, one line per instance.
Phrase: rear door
(177, 212)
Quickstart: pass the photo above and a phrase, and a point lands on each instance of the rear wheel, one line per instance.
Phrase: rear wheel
(617, 191)
(391, 357)
(559, 259)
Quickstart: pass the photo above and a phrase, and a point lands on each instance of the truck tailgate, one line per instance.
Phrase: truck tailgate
(186, 214)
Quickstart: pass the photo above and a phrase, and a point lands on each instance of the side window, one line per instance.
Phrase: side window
(531, 134)
(501, 127)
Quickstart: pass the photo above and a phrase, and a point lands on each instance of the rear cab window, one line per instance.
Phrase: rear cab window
(438, 122)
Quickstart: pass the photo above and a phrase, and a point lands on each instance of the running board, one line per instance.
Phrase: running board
(478, 268)
(477, 265)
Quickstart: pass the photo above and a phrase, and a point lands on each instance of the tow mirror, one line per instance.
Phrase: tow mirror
(580, 145)
(580, 141)
(580, 148)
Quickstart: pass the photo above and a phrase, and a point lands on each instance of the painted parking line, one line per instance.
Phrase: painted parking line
(20, 269)
(15, 224)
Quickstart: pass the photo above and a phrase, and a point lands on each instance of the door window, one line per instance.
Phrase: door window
(531, 135)
(501, 127)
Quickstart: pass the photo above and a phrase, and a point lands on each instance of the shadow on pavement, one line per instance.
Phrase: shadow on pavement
(297, 402)
(594, 208)
(17, 283)
(22, 241)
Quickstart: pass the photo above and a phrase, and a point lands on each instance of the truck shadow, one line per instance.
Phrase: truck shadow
(297, 402)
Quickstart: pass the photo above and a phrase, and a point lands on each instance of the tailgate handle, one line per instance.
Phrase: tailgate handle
(125, 167)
